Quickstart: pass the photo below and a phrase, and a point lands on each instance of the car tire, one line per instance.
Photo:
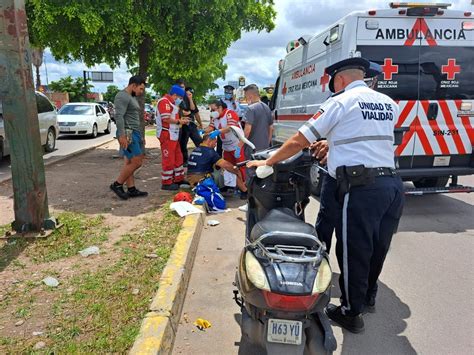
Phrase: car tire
(109, 127)
(50, 141)
(440, 181)
(94, 131)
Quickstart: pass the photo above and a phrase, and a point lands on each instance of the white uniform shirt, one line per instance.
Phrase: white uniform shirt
(230, 105)
(358, 125)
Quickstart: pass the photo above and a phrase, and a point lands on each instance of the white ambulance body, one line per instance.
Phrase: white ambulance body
(427, 56)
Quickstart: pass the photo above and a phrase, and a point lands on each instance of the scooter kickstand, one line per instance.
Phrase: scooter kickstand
(330, 343)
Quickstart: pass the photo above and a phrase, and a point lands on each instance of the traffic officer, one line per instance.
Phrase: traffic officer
(358, 124)
(229, 100)
(167, 131)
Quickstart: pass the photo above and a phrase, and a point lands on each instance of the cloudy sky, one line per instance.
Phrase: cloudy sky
(256, 55)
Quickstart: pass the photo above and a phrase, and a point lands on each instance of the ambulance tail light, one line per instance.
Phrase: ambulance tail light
(402, 12)
(372, 24)
(372, 12)
(466, 106)
(440, 13)
(468, 25)
(468, 13)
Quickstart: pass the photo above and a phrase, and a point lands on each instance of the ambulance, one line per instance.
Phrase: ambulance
(426, 52)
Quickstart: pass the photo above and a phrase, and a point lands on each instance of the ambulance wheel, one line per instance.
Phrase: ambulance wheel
(440, 181)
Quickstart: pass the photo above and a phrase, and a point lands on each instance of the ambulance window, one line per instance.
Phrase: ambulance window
(399, 79)
(446, 73)
(334, 34)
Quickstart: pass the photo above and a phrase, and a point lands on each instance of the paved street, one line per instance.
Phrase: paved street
(65, 145)
(425, 300)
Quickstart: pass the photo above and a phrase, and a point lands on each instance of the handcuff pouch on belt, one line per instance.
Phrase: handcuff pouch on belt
(351, 176)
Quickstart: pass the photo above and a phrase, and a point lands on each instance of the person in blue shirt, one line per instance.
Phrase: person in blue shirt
(204, 158)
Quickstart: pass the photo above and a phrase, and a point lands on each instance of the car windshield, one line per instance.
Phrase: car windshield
(76, 110)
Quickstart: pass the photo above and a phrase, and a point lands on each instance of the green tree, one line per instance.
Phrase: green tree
(109, 95)
(74, 87)
(163, 39)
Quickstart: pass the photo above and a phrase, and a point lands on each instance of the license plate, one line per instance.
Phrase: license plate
(441, 161)
(65, 129)
(284, 331)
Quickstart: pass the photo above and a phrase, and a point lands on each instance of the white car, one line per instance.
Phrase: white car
(83, 118)
(48, 124)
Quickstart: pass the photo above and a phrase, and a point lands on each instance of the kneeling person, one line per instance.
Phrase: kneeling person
(203, 159)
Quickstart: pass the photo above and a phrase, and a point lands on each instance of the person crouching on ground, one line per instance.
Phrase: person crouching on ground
(127, 119)
(203, 159)
(167, 131)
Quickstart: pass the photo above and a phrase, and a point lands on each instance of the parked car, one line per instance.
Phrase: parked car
(149, 114)
(109, 107)
(83, 118)
(48, 124)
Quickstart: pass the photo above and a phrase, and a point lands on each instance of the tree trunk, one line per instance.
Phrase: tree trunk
(143, 65)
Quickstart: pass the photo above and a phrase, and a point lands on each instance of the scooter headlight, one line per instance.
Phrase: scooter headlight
(255, 272)
(323, 279)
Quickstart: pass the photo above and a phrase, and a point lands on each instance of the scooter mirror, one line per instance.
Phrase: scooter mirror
(264, 171)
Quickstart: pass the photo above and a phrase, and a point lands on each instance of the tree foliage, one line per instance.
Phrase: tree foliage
(74, 87)
(166, 39)
(109, 95)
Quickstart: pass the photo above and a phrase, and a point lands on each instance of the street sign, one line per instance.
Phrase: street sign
(100, 76)
(241, 81)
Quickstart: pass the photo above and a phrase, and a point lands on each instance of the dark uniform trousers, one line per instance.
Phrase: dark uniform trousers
(365, 224)
(189, 131)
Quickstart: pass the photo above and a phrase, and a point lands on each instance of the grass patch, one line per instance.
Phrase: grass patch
(78, 232)
(101, 313)
(150, 132)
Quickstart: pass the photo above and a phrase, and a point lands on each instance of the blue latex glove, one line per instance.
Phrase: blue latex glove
(237, 152)
(201, 132)
(215, 134)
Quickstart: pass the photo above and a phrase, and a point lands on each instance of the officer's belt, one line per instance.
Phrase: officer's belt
(358, 175)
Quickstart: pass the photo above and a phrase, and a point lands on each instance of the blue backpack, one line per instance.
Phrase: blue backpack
(208, 189)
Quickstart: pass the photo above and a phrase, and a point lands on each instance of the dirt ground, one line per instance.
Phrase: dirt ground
(80, 184)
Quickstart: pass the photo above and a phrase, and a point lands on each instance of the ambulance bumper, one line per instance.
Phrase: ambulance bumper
(408, 174)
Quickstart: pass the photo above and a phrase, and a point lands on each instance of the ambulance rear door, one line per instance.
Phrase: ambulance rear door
(427, 69)
(446, 85)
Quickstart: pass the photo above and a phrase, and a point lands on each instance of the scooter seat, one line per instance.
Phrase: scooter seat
(283, 220)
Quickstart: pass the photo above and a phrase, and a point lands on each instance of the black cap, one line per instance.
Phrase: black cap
(229, 87)
(350, 63)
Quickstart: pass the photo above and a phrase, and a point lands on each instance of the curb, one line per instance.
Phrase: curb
(159, 327)
(54, 160)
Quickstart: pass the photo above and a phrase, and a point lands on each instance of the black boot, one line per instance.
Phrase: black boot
(134, 192)
(118, 189)
(354, 324)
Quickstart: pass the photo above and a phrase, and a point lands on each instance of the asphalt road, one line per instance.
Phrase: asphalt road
(65, 145)
(425, 301)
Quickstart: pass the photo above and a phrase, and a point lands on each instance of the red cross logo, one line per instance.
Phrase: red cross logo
(420, 26)
(389, 69)
(284, 89)
(324, 80)
(451, 69)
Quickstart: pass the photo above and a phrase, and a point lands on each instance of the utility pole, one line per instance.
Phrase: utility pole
(21, 121)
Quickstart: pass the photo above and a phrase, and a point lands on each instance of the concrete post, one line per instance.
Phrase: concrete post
(21, 120)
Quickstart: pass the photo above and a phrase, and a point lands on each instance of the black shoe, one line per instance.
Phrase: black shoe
(172, 187)
(243, 195)
(369, 307)
(228, 192)
(354, 324)
(136, 193)
(118, 189)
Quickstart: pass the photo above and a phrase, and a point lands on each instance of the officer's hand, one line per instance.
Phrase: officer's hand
(123, 141)
(320, 151)
(215, 134)
(256, 163)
